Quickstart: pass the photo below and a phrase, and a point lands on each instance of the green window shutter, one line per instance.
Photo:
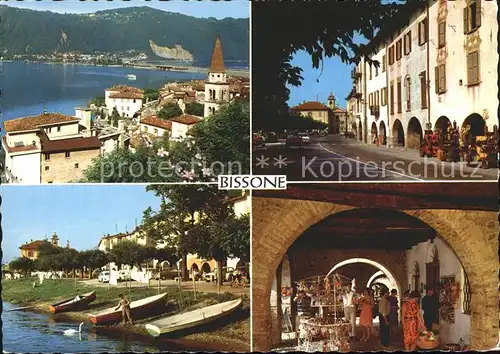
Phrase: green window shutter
(466, 20)
(436, 78)
(478, 13)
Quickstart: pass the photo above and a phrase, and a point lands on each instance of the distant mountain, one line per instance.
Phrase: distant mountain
(119, 30)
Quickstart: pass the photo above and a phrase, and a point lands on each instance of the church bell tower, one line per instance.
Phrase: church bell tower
(216, 87)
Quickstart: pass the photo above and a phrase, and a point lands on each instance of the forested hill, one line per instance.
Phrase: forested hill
(118, 30)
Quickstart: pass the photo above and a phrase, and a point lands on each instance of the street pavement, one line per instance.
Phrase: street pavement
(201, 286)
(335, 158)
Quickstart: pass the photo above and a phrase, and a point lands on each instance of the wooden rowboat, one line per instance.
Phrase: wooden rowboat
(138, 309)
(192, 318)
(73, 304)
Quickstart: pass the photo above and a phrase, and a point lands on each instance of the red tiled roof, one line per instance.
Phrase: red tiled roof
(18, 148)
(310, 106)
(32, 245)
(72, 144)
(155, 121)
(339, 110)
(127, 94)
(217, 62)
(187, 119)
(34, 122)
(121, 88)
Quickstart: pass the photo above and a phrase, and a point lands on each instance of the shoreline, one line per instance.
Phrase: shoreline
(137, 332)
(145, 66)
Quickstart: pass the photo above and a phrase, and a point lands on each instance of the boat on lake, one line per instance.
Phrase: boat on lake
(138, 309)
(75, 303)
(191, 319)
(131, 77)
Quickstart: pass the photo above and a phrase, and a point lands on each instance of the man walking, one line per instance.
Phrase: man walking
(430, 306)
(125, 305)
(349, 299)
(384, 310)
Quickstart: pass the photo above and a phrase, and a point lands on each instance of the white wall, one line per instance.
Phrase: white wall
(25, 167)
(179, 130)
(25, 138)
(125, 106)
(62, 131)
(146, 128)
(461, 101)
(108, 145)
(449, 264)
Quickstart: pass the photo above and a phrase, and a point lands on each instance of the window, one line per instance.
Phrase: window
(466, 308)
(377, 99)
(399, 45)
(399, 96)
(391, 93)
(407, 42)
(408, 93)
(473, 68)
(134, 101)
(370, 71)
(383, 95)
(472, 16)
(391, 55)
(155, 131)
(49, 129)
(441, 34)
(31, 253)
(422, 32)
(145, 129)
(67, 154)
(423, 89)
(370, 100)
(49, 181)
(46, 168)
(383, 63)
(58, 129)
(440, 78)
(76, 165)
(47, 157)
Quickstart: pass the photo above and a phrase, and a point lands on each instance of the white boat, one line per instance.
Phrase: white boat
(192, 318)
(131, 77)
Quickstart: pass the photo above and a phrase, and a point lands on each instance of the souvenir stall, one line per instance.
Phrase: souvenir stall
(320, 323)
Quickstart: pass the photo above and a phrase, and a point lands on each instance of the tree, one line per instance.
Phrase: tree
(115, 117)
(151, 94)
(321, 38)
(98, 101)
(195, 108)
(224, 138)
(23, 265)
(170, 110)
(92, 259)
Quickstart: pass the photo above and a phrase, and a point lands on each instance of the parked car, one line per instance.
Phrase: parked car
(294, 141)
(305, 137)
(168, 273)
(103, 277)
(227, 275)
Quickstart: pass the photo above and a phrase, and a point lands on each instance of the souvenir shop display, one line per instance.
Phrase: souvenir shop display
(321, 326)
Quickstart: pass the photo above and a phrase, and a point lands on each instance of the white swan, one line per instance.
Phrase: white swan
(70, 332)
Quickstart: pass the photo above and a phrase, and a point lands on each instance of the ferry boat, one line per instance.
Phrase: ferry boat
(131, 77)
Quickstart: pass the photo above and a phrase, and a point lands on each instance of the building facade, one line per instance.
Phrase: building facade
(433, 70)
(126, 99)
(316, 110)
(216, 86)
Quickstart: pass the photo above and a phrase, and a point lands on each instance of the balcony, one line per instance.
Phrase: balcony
(355, 73)
(375, 111)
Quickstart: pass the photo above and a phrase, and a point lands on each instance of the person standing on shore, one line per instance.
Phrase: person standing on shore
(125, 305)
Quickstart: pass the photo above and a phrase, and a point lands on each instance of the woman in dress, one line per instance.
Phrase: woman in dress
(412, 321)
(366, 319)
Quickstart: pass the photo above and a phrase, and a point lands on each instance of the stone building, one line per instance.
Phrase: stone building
(217, 86)
(437, 65)
(418, 236)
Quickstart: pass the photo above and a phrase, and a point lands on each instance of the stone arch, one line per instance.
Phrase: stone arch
(442, 124)
(292, 217)
(476, 123)
(374, 131)
(360, 131)
(384, 269)
(194, 267)
(382, 133)
(355, 129)
(398, 133)
(205, 268)
(375, 275)
(415, 134)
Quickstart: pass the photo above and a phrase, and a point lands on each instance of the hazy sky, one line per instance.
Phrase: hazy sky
(217, 9)
(78, 213)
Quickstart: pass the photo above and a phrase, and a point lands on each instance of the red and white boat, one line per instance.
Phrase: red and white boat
(138, 309)
(75, 303)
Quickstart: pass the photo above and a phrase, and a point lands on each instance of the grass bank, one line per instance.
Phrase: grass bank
(232, 333)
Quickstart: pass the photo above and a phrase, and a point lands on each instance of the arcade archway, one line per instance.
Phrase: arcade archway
(374, 132)
(292, 218)
(442, 124)
(476, 123)
(398, 133)
(382, 133)
(415, 134)
(205, 268)
(360, 132)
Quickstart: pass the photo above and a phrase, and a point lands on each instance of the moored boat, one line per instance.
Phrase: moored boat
(138, 309)
(192, 318)
(74, 303)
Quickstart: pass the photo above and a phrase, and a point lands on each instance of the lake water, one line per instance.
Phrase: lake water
(29, 87)
(32, 332)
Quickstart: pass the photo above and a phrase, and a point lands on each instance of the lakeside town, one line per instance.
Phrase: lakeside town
(58, 148)
(178, 288)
